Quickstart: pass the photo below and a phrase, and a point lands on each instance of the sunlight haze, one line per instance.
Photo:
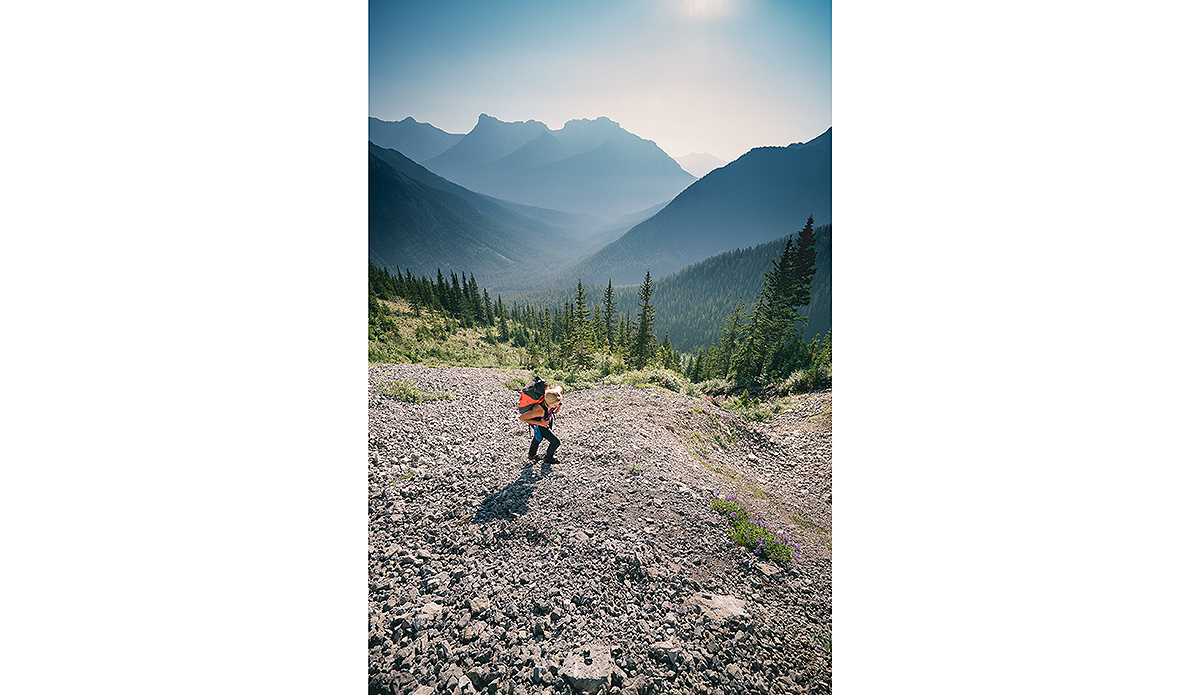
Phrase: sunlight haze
(717, 76)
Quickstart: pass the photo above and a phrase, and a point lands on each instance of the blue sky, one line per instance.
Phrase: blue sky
(716, 76)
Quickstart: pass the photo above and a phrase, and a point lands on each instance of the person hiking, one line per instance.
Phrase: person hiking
(541, 418)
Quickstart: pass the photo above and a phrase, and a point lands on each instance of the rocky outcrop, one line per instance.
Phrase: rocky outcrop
(608, 572)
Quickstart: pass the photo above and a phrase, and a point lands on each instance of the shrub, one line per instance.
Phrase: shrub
(515, 384)
(752, 531)
(795, 383)
(672, 381)
(607, 364)
(811, 379)
(818, 377)
(584, 378)
(405, 391)
(717, 387)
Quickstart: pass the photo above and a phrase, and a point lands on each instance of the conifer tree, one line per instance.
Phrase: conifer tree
(488, 317)
(474, 300)
(454, 296)
(428, 298)
(460, 308)
(730, 334)
(772, 343)
(545, 335)
(596, 332)
(643, 347)
(412, 291)
(565, 337)
(669, 360)
(694, 371)
(609, 309)
(503, 320)
(580, 325)
(442, 291)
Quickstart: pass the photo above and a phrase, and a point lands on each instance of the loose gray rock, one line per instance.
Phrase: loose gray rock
(491, 573)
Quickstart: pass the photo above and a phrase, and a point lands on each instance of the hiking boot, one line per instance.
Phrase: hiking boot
(552, 461)
(535, 457)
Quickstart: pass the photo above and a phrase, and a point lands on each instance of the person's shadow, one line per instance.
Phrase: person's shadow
(513, 500)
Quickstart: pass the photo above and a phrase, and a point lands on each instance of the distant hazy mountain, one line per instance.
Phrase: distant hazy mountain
(412, 225)
(546, 222)
(417, 141)
(490, 139)
(592, 167)
(584, 233)
(699, 164)
(766, 193)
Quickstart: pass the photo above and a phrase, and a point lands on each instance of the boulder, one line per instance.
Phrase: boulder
(718, 607)
(590, 669)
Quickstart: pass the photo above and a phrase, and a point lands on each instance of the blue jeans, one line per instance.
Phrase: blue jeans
(548, 436)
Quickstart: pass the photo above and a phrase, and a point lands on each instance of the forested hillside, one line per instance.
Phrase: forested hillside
(421, 228)
(766, 193)
(693, 303)
(759, 341)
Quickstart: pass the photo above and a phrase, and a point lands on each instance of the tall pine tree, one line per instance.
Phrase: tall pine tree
(609, 308)
(580, 325)
(730, 334)
(772, 345)
(644, 343)
(502, 317)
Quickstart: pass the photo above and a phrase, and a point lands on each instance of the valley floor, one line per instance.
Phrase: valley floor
(606, 572)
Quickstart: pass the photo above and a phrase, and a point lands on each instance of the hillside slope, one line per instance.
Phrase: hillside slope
(765, 194)
(413, 226)
(417, 141)
(489, 570)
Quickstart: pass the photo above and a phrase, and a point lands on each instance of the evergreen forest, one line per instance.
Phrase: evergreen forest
(752, 336)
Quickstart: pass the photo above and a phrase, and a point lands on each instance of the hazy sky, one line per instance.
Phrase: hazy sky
(716, 76)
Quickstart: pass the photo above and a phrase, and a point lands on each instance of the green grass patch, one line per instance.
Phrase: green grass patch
(515, 384)
(751, 530)
(406, 391)
(397, 336)
(823, 640)
(718, 469)
(698, 444)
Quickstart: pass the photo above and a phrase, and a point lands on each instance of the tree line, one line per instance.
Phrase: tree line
(576, 335)
(756, 343)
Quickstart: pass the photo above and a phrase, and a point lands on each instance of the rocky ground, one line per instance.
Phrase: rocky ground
(607, 572)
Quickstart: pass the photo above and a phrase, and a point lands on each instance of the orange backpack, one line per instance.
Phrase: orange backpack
(533, 393)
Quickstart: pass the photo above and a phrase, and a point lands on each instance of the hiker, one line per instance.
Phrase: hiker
(540, 416)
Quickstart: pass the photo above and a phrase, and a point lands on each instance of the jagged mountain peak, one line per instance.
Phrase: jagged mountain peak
(487, 121)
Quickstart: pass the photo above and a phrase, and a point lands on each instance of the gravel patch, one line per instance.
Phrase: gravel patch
(607, 572)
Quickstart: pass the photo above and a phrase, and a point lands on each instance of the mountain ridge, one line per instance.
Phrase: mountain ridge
(415, 140)
(764, 194)
(587, 167)
(412, 225)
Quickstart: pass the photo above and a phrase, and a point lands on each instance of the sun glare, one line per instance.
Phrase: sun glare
(702, 9)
